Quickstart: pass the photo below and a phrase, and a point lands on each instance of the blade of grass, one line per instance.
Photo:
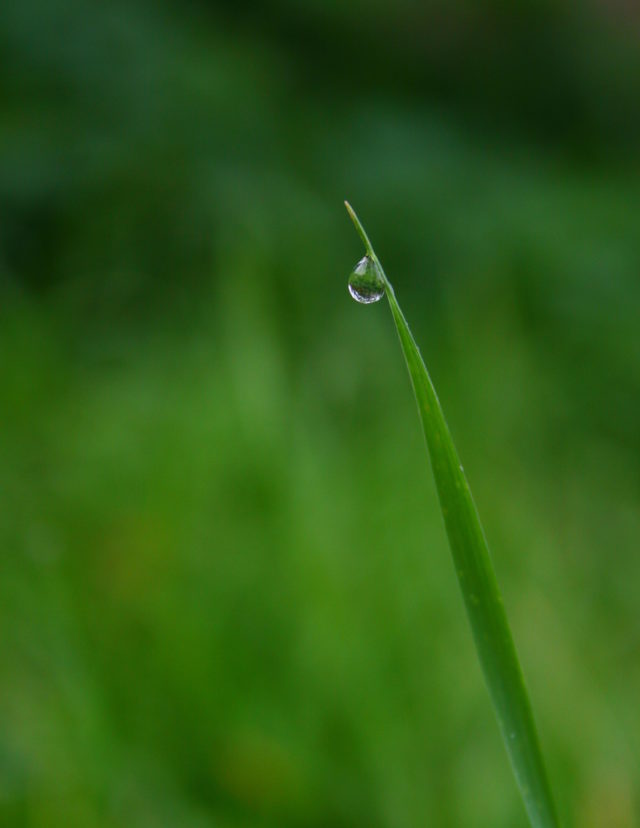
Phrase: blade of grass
(477, 579)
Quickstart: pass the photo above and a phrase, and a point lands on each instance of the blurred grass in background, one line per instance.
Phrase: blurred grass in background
(204, 616)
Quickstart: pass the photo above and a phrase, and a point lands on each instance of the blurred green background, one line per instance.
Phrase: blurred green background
(226, 596)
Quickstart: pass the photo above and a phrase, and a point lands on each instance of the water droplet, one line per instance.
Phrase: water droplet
(366, 285)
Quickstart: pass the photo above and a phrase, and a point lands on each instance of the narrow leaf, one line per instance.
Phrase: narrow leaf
(477, 579)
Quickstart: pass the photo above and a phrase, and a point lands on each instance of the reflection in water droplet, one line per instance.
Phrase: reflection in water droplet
(365, 283)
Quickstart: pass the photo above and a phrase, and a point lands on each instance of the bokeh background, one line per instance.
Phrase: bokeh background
(226, 596)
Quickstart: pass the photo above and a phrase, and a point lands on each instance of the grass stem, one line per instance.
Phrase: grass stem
(482, 599)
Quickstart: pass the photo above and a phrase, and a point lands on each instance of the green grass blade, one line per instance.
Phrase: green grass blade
(477, 579)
